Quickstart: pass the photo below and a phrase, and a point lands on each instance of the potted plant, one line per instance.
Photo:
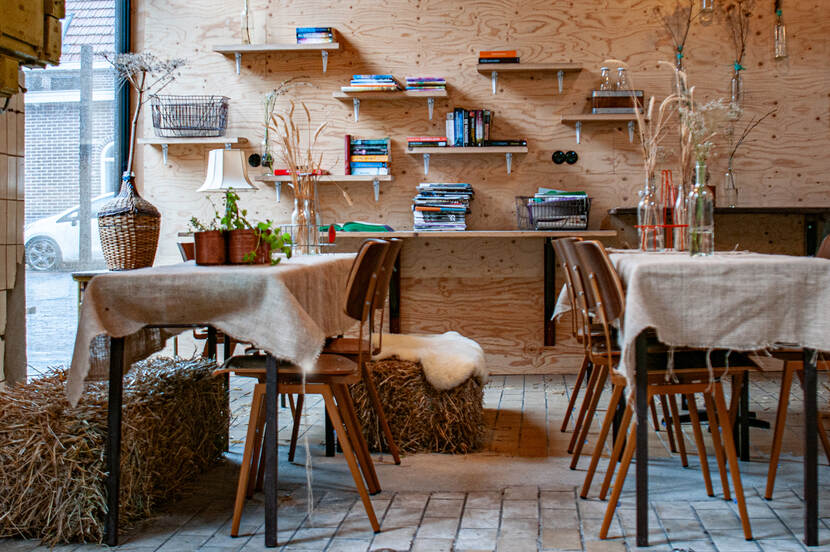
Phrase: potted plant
(210, 245)
(251, 243)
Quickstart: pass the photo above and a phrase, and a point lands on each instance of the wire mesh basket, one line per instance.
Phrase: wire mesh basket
(553, 213)
(189, 116)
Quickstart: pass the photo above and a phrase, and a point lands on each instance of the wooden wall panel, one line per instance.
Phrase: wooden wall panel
(493, 286)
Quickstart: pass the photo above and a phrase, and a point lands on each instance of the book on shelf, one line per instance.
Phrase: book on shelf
(315, 35)
(426, 83)
(366, 83)
(370, 171)
(369, 157)
(426, 141)
(365, 158)
(469, 128)
(498, 54)
(287, 172)
(496, 61)
(612, 110)
(348, 154)
(441, 206)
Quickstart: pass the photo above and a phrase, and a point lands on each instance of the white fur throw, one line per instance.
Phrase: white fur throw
(449, 359)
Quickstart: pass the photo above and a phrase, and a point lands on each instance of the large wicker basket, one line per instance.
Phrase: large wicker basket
(129, 229)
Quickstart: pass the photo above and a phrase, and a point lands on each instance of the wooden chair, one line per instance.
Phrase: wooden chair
(793, 366)
(330, 378)
(350, 347)
(606, 296)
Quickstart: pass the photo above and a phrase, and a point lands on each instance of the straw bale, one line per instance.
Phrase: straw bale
(422, 418)
(52, 471)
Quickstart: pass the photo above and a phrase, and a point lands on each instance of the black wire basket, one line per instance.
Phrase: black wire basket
(189, 116)
(553, 213)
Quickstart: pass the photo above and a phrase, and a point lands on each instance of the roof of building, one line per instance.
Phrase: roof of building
(88, 22)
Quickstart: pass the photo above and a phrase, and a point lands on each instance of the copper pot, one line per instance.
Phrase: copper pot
(243, 242)
(210, 247)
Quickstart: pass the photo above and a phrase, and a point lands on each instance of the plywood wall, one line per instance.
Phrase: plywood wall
(489, 289)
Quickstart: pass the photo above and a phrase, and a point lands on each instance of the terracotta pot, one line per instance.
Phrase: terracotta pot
(243, 242)
(211, 247)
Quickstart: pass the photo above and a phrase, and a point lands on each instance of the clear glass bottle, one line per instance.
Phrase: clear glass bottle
(650, 218)
(730, 188)
(680, 213)
(245, 20)
(707, 11)
(701, 216)
(780, 36)
(622, 79)
(605, 79)
(737, 86)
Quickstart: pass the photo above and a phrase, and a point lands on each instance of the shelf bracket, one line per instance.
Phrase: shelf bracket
(509, 158)
(238, 57)
(430, 106)
(426, 164)
(356, 104)
(376, 186)
(560, 76)
(325, 59)
(578, 132)
(165, 148)
(278, 190)
(494, 80)
(631, 132)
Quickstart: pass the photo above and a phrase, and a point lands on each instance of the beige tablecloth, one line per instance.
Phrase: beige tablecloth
(287, 310)
(737, 301)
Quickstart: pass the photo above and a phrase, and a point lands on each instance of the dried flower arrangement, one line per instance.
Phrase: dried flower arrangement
(737, 20)
(269, 103)
(147, 74)
(750, 126)
(677, 24)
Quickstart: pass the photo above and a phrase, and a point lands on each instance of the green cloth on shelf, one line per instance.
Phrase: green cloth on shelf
(357, 226)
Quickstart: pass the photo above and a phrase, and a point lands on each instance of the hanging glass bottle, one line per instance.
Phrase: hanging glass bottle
(650, 218)
(737, 85)
(246, 23)
(780, 36)
(701, 215)
(730, 187)
(707, 11)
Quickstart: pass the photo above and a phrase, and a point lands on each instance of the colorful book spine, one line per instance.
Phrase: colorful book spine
(348, 154)
(498, 53)
(499, 60)
(370, 158)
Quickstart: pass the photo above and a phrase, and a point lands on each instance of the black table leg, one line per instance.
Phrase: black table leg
(271, 430)
(211, 342)
(743, 417)
(329, 432)
(395, 297)
(550, 293)
(641, 370)
(810, 450)
(113, 452)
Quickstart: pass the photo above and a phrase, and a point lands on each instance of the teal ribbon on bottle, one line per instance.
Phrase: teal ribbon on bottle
(738, 67)
(778, 12)
(680, 52)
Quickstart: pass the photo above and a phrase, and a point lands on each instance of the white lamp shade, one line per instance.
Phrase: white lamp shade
(226, 170)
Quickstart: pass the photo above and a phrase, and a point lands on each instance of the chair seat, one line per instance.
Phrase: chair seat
(326, 369)
(349, 346)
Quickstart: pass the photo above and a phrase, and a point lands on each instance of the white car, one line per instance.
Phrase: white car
(53, 240)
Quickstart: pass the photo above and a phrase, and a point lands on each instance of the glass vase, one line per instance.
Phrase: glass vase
(650, 218)
(737, 87)
(707, 11)
(730, 188)
(701, 216)
(780, 37)
(680, 228)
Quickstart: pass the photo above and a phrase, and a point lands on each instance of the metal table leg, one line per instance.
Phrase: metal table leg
(810, 450)
(329, 433)
(395, 297)
(641, 370)
(550, 293)
(113, 452)
(271, 429)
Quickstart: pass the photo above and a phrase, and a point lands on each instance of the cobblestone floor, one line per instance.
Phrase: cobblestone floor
(518, 494)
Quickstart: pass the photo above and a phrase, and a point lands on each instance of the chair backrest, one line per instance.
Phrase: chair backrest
(580, 305)
(558, 246)
(824, 249)
(604, 291)
(363, 279)
(385, 273)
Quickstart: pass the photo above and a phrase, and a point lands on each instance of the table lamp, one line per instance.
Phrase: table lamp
(226, 170)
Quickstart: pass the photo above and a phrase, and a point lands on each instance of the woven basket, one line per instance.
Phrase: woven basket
(129, 229)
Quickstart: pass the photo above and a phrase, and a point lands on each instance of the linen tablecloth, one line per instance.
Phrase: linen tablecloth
(286, 310)
(737, 301)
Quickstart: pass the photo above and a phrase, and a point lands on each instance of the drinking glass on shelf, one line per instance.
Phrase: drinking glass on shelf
(622, 79)
(605, 79)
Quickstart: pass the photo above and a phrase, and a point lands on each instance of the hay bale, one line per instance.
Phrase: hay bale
(52, 471)
(422, 418)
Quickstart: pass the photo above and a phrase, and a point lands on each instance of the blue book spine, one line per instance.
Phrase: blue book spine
(313, 29)
(372, 77)
(365, 164)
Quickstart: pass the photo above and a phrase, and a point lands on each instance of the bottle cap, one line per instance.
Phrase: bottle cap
(603, 68)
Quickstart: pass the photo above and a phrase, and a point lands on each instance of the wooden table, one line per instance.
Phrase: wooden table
(661, 294)
(283, 310)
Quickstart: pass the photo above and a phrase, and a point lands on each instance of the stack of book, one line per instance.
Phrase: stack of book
(368, 83)
(426, 141)
(367, 157)
(426, 83)
(315, 35)
(498, 56)
(441, 206)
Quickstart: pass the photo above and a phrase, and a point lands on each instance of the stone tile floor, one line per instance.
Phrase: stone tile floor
(518, 494)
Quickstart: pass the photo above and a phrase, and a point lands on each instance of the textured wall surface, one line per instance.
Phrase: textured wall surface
(491, 289)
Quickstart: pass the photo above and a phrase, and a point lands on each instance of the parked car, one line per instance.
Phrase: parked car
(52, 241)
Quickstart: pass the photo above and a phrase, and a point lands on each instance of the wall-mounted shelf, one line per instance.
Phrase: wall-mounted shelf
(356, 97)
(374, 179)
(165, 143)
(508, 152)
(238, 49)
(560, 68)
(578, 118)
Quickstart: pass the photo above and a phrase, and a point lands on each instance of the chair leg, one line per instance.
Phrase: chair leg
(620, 480)
(603, 435)
(295, 430)
(825, 440)
(258, 456)
(583, 407)
(361, 449)
(716, 442)
(654, 421)
(345, 442)
(260, 472)
(619, 444)
(678, 431)
(575, 393)
(592, 408)
(732, 455)
(668, 421)
(245, 468)
(374, 398)
(290, 403)
(780, 423)
(701, 446)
